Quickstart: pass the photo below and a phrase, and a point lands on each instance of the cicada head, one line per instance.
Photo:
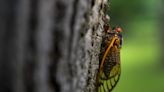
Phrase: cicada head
(118, 30)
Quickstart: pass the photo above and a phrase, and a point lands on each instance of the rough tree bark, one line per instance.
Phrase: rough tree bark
(50, 45)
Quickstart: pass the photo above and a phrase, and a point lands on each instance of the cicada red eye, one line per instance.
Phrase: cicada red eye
(118, 29)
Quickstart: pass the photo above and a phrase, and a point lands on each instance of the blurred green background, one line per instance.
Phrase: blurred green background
(141, 54)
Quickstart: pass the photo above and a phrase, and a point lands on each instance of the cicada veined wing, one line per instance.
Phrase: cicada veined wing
(110, 68)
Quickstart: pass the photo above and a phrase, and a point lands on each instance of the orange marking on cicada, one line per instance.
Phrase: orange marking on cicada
(107, 51)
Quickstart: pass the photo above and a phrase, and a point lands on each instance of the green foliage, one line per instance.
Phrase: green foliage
(140, 52)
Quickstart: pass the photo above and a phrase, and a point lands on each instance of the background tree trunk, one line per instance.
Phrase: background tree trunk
(50, 45)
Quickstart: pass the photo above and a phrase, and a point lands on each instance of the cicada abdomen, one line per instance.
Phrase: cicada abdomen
(109, 59)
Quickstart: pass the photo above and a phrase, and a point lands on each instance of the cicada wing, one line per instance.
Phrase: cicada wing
(106, 84)
(109, 74)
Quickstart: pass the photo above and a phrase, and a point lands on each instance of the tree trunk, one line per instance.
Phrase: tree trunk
(50, 45)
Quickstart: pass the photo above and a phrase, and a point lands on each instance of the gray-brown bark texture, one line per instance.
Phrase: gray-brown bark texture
(50, 45)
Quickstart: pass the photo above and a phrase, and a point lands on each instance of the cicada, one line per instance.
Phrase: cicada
(109, 59)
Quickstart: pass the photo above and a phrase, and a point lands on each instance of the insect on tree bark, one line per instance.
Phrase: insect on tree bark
(50, 46)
